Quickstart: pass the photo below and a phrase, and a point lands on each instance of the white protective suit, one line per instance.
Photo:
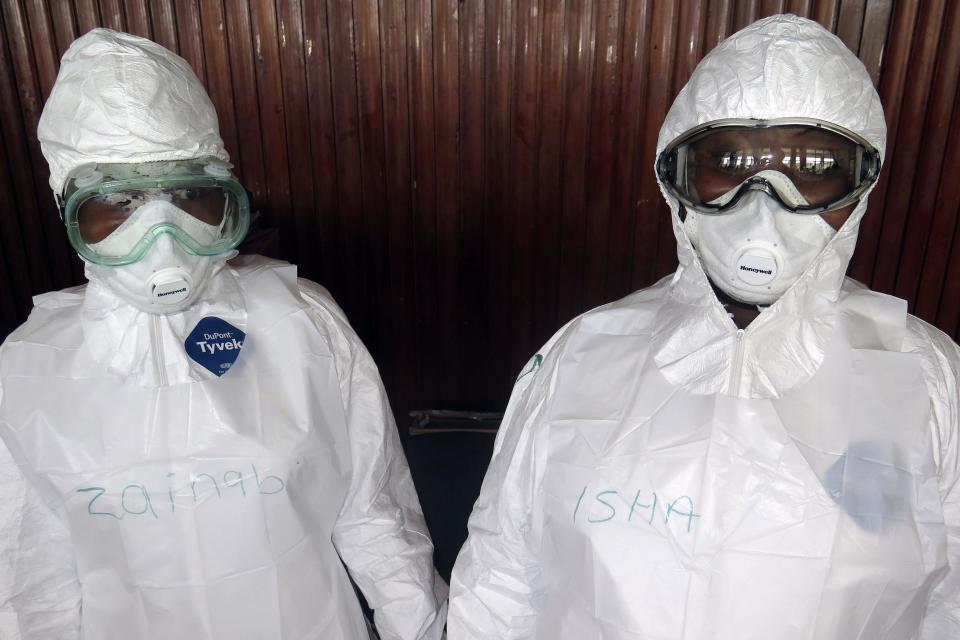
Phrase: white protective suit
(142, 496)
(662, 475)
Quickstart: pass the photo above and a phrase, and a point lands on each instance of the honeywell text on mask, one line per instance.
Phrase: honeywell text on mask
(755, 270)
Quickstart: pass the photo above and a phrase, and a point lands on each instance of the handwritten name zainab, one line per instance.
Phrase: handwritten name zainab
(136, 499)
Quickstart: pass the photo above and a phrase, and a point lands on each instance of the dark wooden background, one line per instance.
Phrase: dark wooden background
(467, 175)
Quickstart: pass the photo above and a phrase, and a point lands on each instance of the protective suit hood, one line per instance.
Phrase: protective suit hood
(122, 98)
(782, 66)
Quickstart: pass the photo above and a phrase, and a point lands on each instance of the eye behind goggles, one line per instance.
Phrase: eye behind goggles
(808, 166)
(211, 208)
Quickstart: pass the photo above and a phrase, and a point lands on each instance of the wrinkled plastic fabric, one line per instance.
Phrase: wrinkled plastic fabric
(178, 504)
(661, 475)
(154, 486)
(122, 98)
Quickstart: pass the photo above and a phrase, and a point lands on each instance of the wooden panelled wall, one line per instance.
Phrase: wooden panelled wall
(467, 175)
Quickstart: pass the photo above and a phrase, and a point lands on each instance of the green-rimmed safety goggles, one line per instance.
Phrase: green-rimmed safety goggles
(808, 166)
(114, 212)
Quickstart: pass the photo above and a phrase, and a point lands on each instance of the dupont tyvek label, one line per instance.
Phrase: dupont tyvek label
(214, 344)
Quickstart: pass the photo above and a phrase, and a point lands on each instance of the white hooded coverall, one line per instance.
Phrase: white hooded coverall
(142, 496)
(662, 475)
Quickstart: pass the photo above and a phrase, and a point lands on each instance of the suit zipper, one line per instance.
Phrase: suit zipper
(736, 370)
(159, 364)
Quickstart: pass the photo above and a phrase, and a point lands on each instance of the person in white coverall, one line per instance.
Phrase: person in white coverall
(190, 447)
(666, 473)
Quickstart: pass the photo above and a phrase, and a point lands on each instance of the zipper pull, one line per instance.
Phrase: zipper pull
(737, 364)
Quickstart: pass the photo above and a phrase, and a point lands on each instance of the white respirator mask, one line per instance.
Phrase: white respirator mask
(755, 252)
(167, 279)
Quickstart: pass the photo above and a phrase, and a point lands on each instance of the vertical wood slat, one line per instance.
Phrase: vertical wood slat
(467, 176)
(689, 43)
(944, 306)
(423, 149)
(41, 217)
(552, 112)
(523, 196)
(138, 18)
(661, 95)
(772, 7)
(112, 15)
(64, 27)
(398, 363)
(372, 241)
(603, 119)
(42, 45)
(825, 12)
(579, 87)
(13, 243)
(322, 137)
(925, 239)
(446, 63)
(164, 23)
(800, 7)
(649, 202)
(681, 54)
(8, 307)
(266, 49)
(212, 52)
(356, 286)
(44, 48)
(891, 94)
(473, 295)
(23, 224)
(939, 293)
(500, 81)
(88, 15)
(901, 169)
(297, 121)
(850, 23)
(720, 22)
(630, 163)
(876, 20)
(745, 12)
(190, 42)
(244, 78)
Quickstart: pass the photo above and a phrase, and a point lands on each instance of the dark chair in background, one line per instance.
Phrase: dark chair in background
(5, 330)
(448, 453)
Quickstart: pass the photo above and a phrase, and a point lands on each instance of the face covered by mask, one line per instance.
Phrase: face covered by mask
(154, 233)
(757, 251)
(753, 192)
(167, 279)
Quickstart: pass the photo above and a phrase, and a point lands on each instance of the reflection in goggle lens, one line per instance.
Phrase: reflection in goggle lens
(806, 167)
(101, 215)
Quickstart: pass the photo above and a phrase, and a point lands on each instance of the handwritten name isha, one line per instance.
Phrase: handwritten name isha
(598, 507)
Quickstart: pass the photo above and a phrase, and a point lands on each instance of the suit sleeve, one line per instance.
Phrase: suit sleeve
(942, 369)
(380, 533)
(496, 583)
(39, 591)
